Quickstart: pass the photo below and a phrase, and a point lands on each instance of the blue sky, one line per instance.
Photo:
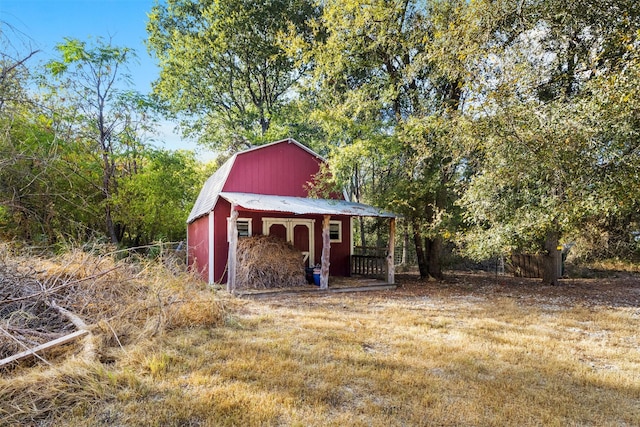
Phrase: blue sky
(44, 23)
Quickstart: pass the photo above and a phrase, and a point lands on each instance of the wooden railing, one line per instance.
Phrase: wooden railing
(369, 261)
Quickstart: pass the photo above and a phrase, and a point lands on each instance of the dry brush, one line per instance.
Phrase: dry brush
(120, 301)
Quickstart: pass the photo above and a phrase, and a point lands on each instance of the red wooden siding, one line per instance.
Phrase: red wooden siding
(281, 169)
(222, 211)
(340, 252)
(198, 232)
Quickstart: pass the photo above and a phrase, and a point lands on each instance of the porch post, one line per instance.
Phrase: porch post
(326, 251)
(391, 273)
(232, 233)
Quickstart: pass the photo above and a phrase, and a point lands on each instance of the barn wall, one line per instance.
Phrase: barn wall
(281, 169)
(198, 232)
(343, 249)
(222, 211)
(340, 252)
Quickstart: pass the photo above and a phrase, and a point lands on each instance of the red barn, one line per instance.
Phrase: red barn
(263, 190)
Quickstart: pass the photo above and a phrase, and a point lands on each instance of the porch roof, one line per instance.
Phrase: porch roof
(303, 205)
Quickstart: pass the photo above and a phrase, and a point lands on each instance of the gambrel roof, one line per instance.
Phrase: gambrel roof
(214, 186)
(210, 191)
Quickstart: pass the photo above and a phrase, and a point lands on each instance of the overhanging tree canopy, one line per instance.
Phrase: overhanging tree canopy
(225, 66)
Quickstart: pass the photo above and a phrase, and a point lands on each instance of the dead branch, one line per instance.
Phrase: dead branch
(49, 291)
(21, 355)
(51, 344)
(46, 335)
(89, 350)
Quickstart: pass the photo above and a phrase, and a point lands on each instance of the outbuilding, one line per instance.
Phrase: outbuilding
(265, 190)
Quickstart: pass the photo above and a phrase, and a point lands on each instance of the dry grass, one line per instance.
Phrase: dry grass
(124, 304)
(474, 350)
(615, 265)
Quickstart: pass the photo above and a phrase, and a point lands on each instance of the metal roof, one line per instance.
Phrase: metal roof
(302, 205)
(212, 187)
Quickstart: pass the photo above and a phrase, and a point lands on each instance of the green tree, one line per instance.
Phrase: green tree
(23, 212)
(46, 184)
(13, 69)
(154, 202)
(612, 111)
(391, 79)
(226, 66)
(92, 104)
(538, 129)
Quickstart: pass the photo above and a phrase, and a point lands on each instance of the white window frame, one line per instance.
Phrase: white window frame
(339, 224)
(249, 228)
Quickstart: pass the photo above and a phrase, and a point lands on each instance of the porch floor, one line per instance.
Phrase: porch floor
(336, 285)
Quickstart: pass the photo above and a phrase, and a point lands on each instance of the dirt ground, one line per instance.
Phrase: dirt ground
(598, 289)
(608, 290)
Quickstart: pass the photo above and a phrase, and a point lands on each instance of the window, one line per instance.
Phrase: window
(335, 231)
(243, 225)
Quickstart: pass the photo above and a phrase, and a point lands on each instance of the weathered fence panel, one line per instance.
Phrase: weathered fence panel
(527, 265)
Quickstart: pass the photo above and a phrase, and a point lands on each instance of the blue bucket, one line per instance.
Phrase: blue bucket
(316, 277)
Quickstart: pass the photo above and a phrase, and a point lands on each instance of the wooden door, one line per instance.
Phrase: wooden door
(279, 230)
(298, 232)
(301, 241)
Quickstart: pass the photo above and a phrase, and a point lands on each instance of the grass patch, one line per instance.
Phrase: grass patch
(469, 351)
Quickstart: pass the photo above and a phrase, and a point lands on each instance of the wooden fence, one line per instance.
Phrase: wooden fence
(526, 265)
(369, 261)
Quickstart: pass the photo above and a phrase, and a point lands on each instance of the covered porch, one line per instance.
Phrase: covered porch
(326, 208)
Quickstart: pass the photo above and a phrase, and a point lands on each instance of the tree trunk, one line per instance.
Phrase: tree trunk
(405, 245)
(391, 274)
(435, 244)
(434, 257)
(356, 190)
(326, 253)
(420, 255)
(232, 255)
(552, 259)
(111, 230)
(429, 255)
(106, 191)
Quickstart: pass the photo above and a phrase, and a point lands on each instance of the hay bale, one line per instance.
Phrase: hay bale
(268, 262)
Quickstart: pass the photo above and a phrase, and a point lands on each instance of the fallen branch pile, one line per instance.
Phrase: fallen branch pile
(268, 262)
(48, 302)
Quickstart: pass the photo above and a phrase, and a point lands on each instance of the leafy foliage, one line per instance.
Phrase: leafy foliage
(500, 126)
(91, 106)
(392, 85)
(154, 202)
(74, 155)
(225, 65)
(554, 131)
